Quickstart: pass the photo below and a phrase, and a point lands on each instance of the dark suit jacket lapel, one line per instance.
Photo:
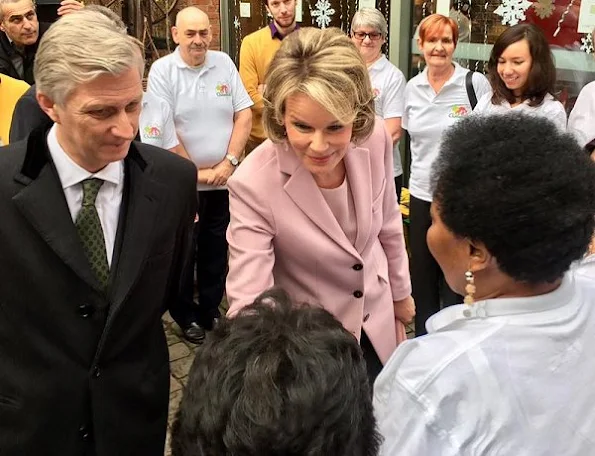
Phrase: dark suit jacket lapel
(141, 199)
(43, 204)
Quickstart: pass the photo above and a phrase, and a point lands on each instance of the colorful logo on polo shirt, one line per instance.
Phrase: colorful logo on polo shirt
(151, 132)
(458, 111)
(222, 89)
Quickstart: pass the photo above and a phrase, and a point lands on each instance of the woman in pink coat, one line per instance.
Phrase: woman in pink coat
(314, 209)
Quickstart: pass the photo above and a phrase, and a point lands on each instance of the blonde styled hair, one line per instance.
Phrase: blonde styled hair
(326, 66)
(80, 47)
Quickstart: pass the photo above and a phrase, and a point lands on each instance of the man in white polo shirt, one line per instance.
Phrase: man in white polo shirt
(156, 124)
(212, 117)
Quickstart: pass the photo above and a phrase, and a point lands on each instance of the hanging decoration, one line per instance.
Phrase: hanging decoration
(323, 13)
(485, 37)
(587, 43)
(562, 17)
(237, 25)
(512, 11)
(544, 8)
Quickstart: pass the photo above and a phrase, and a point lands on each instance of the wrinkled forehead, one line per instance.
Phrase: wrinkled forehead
(19, 8)
(192, 21)
(366, 28)
(438, 31)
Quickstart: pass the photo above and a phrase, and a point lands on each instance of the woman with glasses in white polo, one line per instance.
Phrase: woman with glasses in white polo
(368, 32)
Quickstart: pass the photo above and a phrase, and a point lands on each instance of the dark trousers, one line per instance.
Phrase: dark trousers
(399, 186)
(210, 255)
(429, 288)
(373, 363)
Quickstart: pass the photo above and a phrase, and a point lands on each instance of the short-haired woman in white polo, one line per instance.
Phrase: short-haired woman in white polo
(368, 32)
(434, 100)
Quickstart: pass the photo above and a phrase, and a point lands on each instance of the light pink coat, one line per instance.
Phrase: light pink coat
(283, 233)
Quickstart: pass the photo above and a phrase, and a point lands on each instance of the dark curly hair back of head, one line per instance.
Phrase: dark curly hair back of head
(517, 184)
(277, 380)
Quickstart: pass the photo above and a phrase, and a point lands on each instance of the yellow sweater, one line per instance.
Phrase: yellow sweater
(10, 91)
(256, 52)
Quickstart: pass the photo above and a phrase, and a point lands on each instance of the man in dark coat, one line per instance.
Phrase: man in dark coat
(95, 232)
(20, 32)
(27, 116)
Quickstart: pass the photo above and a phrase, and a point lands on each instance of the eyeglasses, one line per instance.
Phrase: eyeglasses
(374, 36)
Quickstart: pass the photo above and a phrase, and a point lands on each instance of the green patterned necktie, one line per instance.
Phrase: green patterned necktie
(88, 226)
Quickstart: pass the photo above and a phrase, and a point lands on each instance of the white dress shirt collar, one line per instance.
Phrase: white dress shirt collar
(71, 173)
(454, 78)
(503, 307)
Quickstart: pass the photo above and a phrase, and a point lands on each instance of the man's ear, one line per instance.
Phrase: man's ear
(48, 106)
(174, 34)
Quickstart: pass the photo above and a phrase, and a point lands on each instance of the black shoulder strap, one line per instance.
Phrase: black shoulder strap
(470, 89)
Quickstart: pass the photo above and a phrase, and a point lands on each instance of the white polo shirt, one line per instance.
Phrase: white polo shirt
(512, 377)
(581, 122)
(203, 100)
(156, 123)
(550, 108)
(428, 114)
(388, 84)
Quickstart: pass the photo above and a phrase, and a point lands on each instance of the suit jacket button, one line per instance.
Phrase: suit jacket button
(85, 433)
(86, 310)
(96, 372)
(366, 317)
(358, 293)
(358, 267)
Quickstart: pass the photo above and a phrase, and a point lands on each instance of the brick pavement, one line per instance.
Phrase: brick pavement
(181, 355)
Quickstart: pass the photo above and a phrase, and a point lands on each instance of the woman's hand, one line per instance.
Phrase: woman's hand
(404, 310)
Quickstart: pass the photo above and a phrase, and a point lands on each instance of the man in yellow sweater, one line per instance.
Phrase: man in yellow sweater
(10, 91)
(256, 53)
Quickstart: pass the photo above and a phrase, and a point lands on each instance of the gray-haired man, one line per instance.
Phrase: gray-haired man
(94, 234)
(20, 32)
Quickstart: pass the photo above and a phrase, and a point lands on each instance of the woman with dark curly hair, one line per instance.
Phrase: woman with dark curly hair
(511, 370)
(522, 74)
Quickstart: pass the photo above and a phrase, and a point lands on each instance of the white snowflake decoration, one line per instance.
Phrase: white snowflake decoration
(236, 23)
(512, 11)
(587, 43)
(544, 8)
(323, 13)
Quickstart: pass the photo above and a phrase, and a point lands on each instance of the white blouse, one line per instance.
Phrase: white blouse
(581, 122)
(550, 108)
(511, 376)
